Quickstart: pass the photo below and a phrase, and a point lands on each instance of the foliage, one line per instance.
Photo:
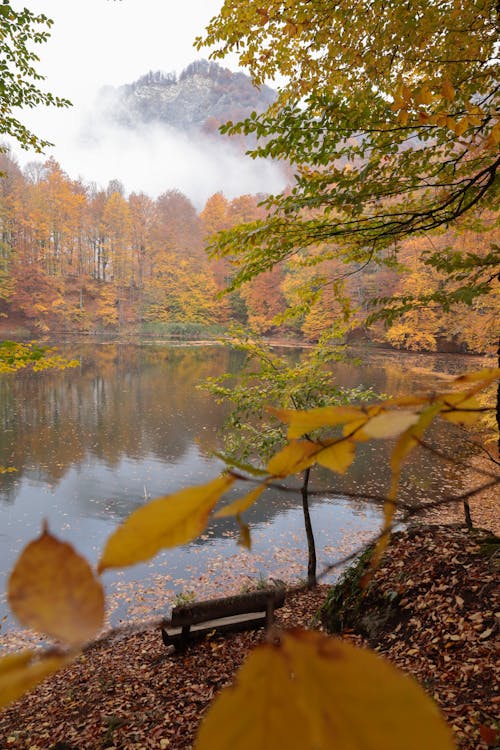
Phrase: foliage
(54, 591)
(327, 684)
(251, 430)
(19, 80)
(15, 356)
(73, 258)
(389, 116)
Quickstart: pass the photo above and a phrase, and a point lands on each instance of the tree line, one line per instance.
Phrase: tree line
(77, 258)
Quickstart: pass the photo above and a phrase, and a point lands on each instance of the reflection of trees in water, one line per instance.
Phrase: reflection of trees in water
(271, 505)
(130, 401)
(122, 401)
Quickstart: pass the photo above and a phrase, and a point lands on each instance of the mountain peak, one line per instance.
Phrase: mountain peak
(202, 97)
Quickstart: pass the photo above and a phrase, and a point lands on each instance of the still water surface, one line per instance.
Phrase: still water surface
(92, 444)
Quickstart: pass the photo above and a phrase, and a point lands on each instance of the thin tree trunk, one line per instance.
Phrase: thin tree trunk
(311, 546)
(468, 517)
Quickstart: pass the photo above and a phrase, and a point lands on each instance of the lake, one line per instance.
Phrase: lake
(93, 443)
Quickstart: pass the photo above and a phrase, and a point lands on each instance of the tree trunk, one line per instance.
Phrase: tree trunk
(468, 517)
(311, 546)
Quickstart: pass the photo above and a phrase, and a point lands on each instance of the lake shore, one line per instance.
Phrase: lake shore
(130, 693)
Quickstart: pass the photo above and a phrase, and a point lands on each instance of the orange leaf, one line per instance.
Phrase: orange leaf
(53, 590)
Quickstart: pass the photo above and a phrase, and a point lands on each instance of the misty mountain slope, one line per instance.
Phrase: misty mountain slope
(200, 99)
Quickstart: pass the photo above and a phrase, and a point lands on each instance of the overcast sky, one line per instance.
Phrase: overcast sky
(112, 42)
(98, 42)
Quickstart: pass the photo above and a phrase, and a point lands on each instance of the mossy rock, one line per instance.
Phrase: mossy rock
(348, 606)
(343, 606)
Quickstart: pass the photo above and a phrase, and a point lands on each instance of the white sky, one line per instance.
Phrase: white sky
(99, 42)
(111, 42)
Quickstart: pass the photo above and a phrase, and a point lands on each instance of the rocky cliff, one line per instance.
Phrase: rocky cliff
(200, 99)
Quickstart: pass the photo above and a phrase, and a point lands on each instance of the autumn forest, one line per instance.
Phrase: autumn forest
(75, 258)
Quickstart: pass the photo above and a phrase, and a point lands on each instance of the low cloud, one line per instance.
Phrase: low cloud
(151, 158)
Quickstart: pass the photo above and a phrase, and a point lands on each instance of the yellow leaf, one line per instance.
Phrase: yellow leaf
(494, 137)
(296, 456)
(441, 119)
(301, 422)
(398, 99)
(53, 590)
(355, 429)
(423, 95)
(165, 522)
(405, 444)
(337, 457)
(312, 692)
(244, 538)
(461, 126)
(21, 672)
(463, 408)
(409, 439)
(241, 504)
(403, 117)
(487, 375)
(447, 90)
(389, 423)
(406, 93)
(474, 120)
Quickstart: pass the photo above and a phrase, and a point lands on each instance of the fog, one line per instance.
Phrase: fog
(113, 43)
(152, 158)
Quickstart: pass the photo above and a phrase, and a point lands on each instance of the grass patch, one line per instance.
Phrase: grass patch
(181, 331)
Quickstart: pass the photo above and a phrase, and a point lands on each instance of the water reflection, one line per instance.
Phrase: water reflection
(93, 443)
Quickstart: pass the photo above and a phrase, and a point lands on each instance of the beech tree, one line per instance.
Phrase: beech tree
(19, 79)
(388, 113)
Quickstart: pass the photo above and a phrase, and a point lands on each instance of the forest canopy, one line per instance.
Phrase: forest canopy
(389, 116)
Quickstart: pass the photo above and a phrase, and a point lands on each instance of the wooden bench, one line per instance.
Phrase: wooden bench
(232, 613)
